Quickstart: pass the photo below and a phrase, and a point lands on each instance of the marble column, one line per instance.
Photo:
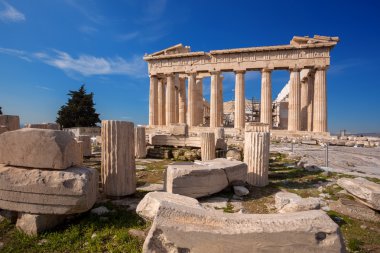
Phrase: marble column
(176, 105)
(191, 114)
(310, 106)
(182, 101)
(214, 120)
(140, 142)
(199, 101)
(304, 101)
(153, 101)
(170, 100)
(266, 97)
(161, 102)
(220, 102)
(256, 153)
(294, 122)
(118, 158)
(320, 101)
(239, 100)
(207, 146)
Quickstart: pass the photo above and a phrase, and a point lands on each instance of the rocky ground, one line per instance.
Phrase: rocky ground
(113, 226)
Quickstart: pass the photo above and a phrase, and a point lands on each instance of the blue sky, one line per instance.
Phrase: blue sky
(50, 47)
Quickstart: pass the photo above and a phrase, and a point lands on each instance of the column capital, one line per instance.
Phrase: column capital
(215, 72)
(266, 70)
(191, 73)
(295, 69)
(169, 74)
(320, 67)
(153, 76)
(240, 71)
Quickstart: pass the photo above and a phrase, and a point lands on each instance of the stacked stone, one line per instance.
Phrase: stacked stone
(140, 142)
(9, 123)
(207, 146)
(41, 178)
(220, 142)
(256, 153)
(51, 126)
(86, 144)
(118, 158)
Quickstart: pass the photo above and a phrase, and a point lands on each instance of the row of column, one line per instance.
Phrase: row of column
(307, 108)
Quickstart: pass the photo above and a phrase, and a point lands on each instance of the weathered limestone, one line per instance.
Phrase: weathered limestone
(34, 224)
(170, 100)
(192, 102)
(207, 146)
(149, 205)
(73, 190)
(161, 102)
(287, 202)
(86, 142)
(310, 95)
(366, 191)
(153, 101)
(239, 100)
(304, 98)
(294, 121)
(178, 228)
(203, 178)
(182, 101)
(256, 153)
(38, 148)
(220, 101)
(320, 101)
(176, 100)
(214, 99)
(178, 129)
(266, 97)
(51, 126)
(12, 122)
(140, 142)
(118, 158)
(199, 99)
(220, 142)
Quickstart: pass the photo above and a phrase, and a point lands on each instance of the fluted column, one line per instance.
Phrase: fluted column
(140, 142)
(214, 99)
(239, 100)
(176, 105)
(256, 153)
(294, 122)
(153, 101)
(220, 101)
(320, 101)
(304, 100)
(199, 101)
(207, 146)
(310, 106)
(161, 102)
(118, 158)
(191, 99)
(266, 97)
(170, 100)
(182, 101)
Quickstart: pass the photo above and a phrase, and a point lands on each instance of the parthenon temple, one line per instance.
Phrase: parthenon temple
(176, 87)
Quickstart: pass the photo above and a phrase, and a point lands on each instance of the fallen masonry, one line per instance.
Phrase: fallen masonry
(178, 228)
(366, 191)
(287, 202)
(204, 178)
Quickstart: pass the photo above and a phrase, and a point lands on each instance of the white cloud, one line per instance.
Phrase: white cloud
(11, 14)
(128, 36)
(87, 29)
(88, 65)
(14, 52)
(43, 87)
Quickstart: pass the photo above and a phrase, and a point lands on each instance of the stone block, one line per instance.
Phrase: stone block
(179, 228)
(11, 122)
(287, 202)
(203, 178)
(34, 224)
(38, 148)
(149, 205)
(366, 191)
(51, 126)
(86, 142)
(69, 191)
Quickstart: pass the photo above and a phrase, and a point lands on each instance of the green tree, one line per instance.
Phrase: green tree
(1, 112)
(79, 111)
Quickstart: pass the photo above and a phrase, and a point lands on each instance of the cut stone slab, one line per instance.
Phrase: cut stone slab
(287, 202)
(39, 148)
(354, 209)
(69, 191)
(203, 178)
(240, 191)
(366, 191)
(215, 203)
(149, 205)
(179, 228)
(34, 224)
(11, 122)
(100, 210)
(151, 187)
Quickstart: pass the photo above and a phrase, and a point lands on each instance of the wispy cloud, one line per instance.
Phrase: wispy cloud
(43, 87)
(128, 36)
(85, 65)
(87, 29)
(88, 65)
(343, 66)
(11, 14)
(87, 11)
(152, 11)
(17, 53)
